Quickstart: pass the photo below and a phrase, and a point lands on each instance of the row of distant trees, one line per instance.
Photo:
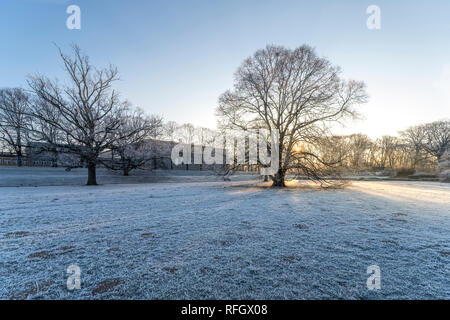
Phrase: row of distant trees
(295, 92)
(416, 148)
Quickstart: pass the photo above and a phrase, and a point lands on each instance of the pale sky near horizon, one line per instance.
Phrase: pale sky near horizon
(176, 57)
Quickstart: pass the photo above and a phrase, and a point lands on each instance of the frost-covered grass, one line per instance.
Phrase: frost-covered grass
(41, 176)
(214, 240)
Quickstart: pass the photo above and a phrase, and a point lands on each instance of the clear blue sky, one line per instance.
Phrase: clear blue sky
(176, 57)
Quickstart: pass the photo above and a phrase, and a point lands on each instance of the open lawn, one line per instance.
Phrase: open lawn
(222, 240)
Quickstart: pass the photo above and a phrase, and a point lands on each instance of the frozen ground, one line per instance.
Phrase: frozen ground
(32, 177)
(214, 240)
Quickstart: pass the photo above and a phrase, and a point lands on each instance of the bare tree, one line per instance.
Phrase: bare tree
(185, 133)
(359, 145)
(156, 126)
(295, 92)
(44, 131)
(203, 136)
(349, 152)
(413, 139)
(437, 137)
(132, 146)
(14, 120)
(169, 130)
(386, 147)
(89, 109)
(427, 142)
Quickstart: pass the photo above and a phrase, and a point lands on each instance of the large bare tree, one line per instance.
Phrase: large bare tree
(87, 106)
(359, 145)
(429, 140)
(14, 120)
(413, 139)
(295, 92)
(437, 137)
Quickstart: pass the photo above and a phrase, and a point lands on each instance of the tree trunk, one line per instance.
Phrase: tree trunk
(19, 158)
(126, 171)
(92, 176)
(278, 179)
(19, 149)
(55, 159)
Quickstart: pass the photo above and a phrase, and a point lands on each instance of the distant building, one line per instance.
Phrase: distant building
(40, 154)
(8, 159)
(43, 154)
(160, 157)
(161, 152)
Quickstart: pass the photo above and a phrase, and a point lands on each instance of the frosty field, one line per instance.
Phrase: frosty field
(222, 240)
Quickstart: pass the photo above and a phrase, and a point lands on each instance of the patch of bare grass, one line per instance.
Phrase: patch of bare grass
(33, 288)
(16, 234)
(105, 286)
